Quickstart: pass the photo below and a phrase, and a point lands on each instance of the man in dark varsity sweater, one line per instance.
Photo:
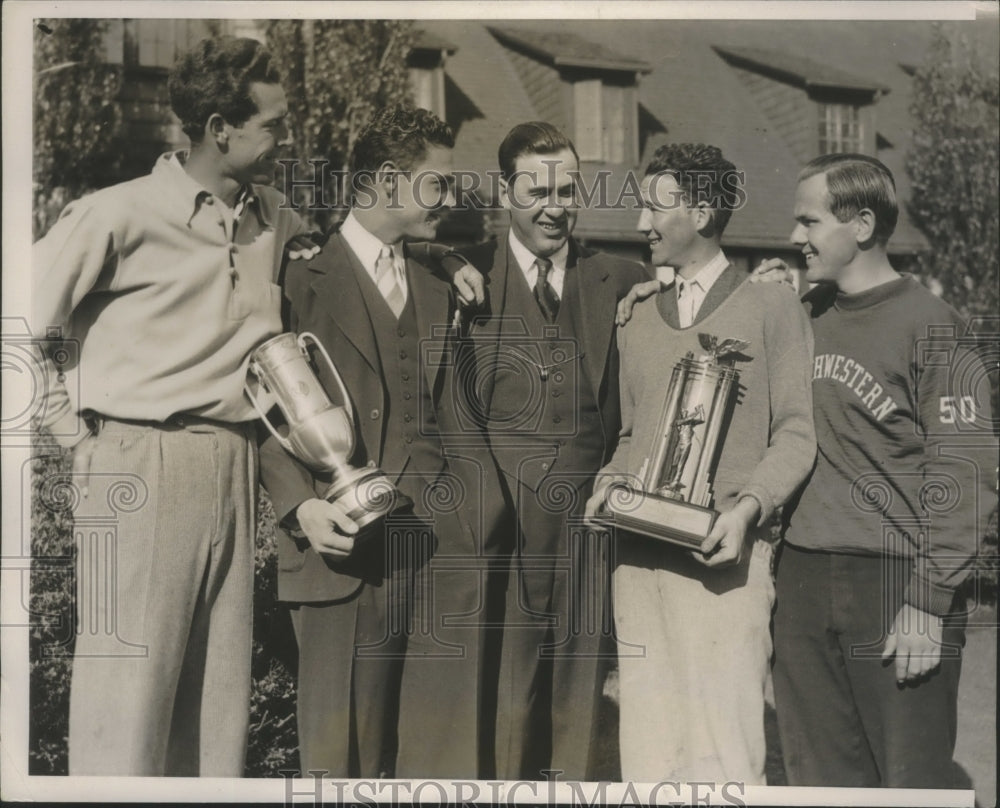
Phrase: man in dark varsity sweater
(867, 630)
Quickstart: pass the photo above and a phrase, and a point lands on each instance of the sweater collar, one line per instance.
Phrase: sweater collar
(875, 295)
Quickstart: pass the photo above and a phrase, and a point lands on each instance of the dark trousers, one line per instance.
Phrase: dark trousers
(842, 718)
(391, 679)
(351, 656)
(557, 641)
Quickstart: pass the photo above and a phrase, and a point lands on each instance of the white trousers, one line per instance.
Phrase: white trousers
(694, 647)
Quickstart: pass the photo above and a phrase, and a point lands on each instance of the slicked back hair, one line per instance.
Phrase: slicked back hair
(855, 182)
(533, 137)
(215, 77)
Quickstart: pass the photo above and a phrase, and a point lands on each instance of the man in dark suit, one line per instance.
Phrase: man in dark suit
(387, 623)
(547, 392)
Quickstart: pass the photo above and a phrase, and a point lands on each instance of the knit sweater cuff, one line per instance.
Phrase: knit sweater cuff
(928, 596)
(767, 505)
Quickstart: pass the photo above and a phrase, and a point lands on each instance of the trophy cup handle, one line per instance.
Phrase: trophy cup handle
(263, 415)
(307, 336)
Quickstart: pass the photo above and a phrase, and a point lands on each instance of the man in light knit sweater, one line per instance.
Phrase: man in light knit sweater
(867, 642)
(693, 627)
(167, 282)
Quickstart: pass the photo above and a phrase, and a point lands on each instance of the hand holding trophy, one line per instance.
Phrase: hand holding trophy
(320, 433)
(673, 503)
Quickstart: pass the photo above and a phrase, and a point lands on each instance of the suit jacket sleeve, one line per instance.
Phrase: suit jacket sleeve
(618, 465)
(630, 274)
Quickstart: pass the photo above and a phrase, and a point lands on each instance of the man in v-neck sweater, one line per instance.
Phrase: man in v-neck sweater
(693, 628)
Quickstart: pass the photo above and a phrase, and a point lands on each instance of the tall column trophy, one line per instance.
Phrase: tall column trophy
(320, 433)
(672, 497)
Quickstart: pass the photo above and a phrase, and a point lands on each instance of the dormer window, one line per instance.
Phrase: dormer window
(428, 88)
(794, 90)
(582, 87)
(604, 118)
(841, 129)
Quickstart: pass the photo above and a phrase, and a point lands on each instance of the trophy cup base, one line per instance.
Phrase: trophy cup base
(656, 517)
(367, 495)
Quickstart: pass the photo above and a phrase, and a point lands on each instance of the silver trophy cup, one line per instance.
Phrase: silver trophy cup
(319, 432)
(672, 498)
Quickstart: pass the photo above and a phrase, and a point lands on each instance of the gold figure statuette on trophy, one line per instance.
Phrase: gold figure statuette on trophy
(673, 496)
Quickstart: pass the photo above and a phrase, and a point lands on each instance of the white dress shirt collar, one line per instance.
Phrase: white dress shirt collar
(526, 261)
(367, 247)
(691, 292)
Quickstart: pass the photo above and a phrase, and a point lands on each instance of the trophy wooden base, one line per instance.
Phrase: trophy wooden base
(367, 495)
(656, 517)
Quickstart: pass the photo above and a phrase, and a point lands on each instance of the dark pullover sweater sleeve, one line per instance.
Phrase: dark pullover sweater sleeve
(900, 469)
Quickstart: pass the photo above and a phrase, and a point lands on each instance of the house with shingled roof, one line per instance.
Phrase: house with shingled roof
(771, 93)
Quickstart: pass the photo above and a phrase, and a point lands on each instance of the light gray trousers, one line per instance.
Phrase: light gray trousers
(161, 668)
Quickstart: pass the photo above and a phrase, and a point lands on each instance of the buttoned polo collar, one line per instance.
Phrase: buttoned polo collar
(169, 169)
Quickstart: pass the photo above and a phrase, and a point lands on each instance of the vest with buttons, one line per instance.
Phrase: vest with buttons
(412, 439)
(559, 410)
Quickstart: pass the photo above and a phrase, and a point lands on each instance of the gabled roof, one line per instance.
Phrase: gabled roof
(798, 70)
(564, 49)
(697, 96)
(481, 72)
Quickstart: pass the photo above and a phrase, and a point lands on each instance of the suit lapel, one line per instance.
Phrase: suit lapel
(596, 305)
(489, 333)
(431, 302)
(336, 286)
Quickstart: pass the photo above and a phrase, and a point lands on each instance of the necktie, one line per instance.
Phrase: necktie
(544, 293)
(387, 282)
(685, 303)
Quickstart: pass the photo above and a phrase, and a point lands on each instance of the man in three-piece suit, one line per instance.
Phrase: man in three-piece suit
(388, 622)
(547, 392)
